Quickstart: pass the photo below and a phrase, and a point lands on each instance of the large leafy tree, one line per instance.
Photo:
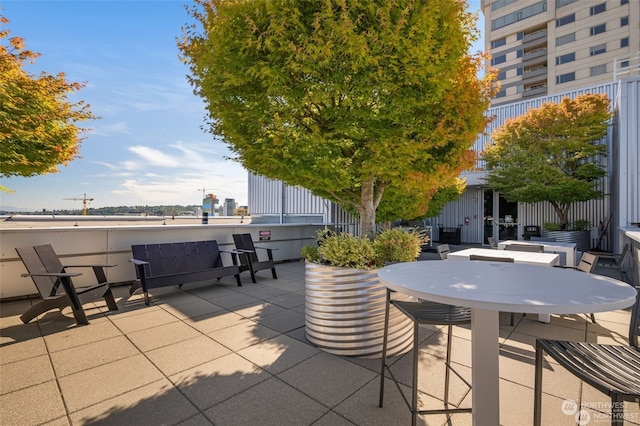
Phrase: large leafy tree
(355, 100)
(38, 128)
(552, 153)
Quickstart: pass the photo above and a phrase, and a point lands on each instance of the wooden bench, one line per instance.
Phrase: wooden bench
(167, 264)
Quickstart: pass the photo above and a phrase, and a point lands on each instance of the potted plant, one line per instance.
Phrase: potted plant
(345, 300)
(552, 154)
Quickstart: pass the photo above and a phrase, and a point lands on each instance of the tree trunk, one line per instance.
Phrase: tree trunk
(562, 211)
(367, 209)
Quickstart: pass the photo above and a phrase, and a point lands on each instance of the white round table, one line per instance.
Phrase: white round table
(491, 287)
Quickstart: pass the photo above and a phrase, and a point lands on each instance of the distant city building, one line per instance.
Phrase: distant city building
(551, 46)
(209, 204)
(228, 207)
(241, 211)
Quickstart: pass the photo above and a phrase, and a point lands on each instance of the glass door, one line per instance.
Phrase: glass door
(500, 217)
(488, 215)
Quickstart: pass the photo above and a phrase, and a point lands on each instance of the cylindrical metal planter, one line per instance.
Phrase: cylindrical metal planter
(344, 313)
(581, 238)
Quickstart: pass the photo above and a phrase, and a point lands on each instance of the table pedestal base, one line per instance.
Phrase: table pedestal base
(485, 372)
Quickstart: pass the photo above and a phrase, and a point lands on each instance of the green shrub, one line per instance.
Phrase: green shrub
(345, 250)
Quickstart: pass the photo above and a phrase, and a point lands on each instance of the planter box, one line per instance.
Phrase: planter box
(344, 313)
(581, 238)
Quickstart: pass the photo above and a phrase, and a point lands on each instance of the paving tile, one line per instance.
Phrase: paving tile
(255, 311)
(157, 403)
(197, 420)
(210, 292)
(271, 402)
(333, 419)
(213, 382)
(11, 311)
(194, 309)
(362, 408)
(231, 301)
(431, 374)
(91, 355)
(89, 387)
(283, 321)
(175, 296)
(279, 353)
(25, 373)
(327, 378)
(143, 320)
(215, 321)
(288, 301)
(162, 335)
(33, 405)
(186, 354)
(261, 291)
(242, 335)
(14, 350)
(78, 335)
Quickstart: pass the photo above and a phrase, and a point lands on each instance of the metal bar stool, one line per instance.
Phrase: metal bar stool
(424, 312)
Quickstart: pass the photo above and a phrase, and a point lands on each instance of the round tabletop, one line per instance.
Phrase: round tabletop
(509, 287)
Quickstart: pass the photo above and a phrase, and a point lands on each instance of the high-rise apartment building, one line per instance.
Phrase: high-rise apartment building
(548, 46)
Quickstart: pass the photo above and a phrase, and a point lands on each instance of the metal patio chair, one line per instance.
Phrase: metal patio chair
(424, 312)
(611, 369)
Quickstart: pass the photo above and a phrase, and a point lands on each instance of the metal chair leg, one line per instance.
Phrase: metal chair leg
(383, 365)
(537, 400)
(416, 353)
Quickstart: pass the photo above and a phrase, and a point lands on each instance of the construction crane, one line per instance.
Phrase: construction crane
(204, 190)
(84, 200)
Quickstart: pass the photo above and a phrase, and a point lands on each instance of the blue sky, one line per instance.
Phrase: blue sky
(148, 147)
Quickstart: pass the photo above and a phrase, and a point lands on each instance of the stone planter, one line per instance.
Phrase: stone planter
(344, 313)
(581, 238)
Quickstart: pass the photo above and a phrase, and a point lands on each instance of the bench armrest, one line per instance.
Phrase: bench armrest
(52, 274)
(89, 266)
(233, 251)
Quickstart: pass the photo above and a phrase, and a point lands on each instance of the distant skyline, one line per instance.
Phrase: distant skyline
(148, 148)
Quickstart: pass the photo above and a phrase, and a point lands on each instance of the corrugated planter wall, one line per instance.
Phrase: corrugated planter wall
(581, 238)
(344, 313)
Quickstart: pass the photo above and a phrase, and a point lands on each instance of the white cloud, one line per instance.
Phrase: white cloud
(155, 157)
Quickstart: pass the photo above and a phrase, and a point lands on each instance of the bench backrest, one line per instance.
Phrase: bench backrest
(245, 242)
(47, 286)
(173, 258)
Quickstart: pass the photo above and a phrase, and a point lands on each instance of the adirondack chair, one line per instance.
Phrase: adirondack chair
(56, 287)
(250, 261)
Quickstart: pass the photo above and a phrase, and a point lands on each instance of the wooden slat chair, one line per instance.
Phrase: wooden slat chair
(496, 259)
(525, 247)
(587, 264)
(443, 251)
(56, 287)
(250, 261)
(615, 260)
(611, 369)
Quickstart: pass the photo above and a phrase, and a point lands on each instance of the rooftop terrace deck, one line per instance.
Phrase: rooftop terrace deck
(228, 355)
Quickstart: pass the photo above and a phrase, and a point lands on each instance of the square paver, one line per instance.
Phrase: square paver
(213, 382)
(271, 402)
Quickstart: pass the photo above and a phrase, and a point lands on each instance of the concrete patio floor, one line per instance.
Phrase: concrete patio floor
(226, 355)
